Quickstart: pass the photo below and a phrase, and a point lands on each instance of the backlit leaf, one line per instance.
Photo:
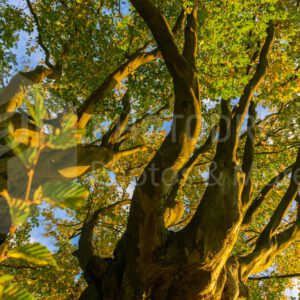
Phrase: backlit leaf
(64, 194)
(34, 253)
(19, 209)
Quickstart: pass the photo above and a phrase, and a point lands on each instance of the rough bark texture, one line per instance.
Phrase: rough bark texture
(151, 261)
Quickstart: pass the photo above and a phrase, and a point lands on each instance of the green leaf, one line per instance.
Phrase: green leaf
(64, 194)
(6, 278)
(14, 292)
(28, 156)
(19, 209)
(37, 110)
(38, 195)
(67, 136)
(34, 253)
(10, 291)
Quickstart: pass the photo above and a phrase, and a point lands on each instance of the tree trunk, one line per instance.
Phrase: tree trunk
(151, 262)
(161, 279)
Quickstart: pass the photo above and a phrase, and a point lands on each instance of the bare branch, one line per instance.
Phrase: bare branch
(249, 145)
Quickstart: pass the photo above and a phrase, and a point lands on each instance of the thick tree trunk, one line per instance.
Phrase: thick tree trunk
(160, 279)
(151, 262)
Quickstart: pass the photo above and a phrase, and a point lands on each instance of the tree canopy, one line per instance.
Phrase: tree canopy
(155, 146)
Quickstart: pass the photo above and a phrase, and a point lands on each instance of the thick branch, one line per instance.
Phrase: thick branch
(136, 60)
(163, 36)
(123, 153)
(263, 254)
(185, 171)
(264, 192)
(249, 146)
(12, 95)
(257, 77)
(191, 37)
(179, 22)
(146, 227)
(241, 108)
(113, 135)
(248, 158)
(86, 250)
(283, 206)
(63, 164)
(174, 210)
(133, 63)
(224, 125)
